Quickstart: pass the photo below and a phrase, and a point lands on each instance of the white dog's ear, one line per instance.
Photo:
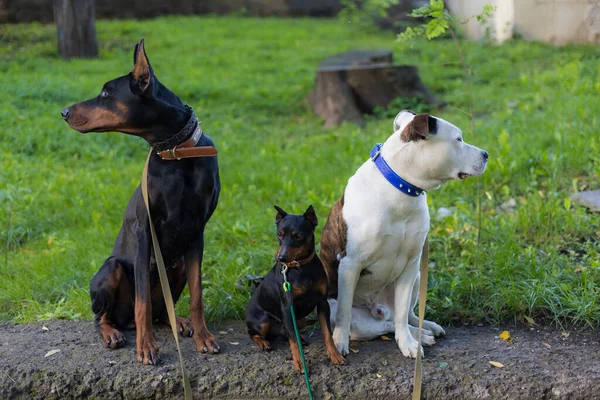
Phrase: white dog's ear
(418, 129)
(403, 118)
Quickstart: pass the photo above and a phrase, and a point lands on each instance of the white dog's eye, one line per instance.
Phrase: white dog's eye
(459, 139)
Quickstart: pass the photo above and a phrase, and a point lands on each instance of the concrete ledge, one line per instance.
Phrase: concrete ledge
(539, 364)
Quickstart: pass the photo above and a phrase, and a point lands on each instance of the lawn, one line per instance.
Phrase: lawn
(62, 194)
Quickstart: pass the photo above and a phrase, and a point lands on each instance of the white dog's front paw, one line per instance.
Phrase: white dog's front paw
(340, 338)
(427, 337)
(434, 328)
(408, 345)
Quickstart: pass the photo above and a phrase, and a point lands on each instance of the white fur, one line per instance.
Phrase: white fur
(386, 233)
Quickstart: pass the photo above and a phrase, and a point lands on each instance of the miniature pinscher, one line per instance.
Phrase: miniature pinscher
(183, 194)
(268, 310)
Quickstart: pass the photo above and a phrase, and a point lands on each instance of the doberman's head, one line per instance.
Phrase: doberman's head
(296, 234)
(136, 103)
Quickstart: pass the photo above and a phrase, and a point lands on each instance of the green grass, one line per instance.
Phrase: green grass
(62, 195)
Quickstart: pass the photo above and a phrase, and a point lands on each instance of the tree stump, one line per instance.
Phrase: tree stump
(351, 84)
(75, 28)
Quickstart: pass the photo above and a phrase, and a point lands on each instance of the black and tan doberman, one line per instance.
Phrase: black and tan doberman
(183, 194)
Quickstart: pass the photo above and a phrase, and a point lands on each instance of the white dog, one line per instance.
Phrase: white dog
(371, 244)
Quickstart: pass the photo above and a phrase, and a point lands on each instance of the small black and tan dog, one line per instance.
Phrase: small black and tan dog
(183, 194)
(268, 312)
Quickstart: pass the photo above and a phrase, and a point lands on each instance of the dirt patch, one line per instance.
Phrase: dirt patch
(539, 364)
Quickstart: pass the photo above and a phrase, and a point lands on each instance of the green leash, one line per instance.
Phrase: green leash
(287, 287)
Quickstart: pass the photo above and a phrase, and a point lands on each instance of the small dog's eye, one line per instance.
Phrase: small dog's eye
(459, 139)
(280, 234)
(103, 93)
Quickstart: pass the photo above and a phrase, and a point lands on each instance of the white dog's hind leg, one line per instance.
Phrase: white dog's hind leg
(413, 320)
(363, 326)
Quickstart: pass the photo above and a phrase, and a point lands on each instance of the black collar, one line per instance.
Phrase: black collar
(180, 136)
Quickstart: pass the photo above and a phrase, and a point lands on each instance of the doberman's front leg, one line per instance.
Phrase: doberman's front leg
(147, 349)
(205, 341)
(323, 312)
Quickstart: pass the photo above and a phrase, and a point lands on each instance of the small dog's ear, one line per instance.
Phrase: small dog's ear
(142, 71)
(418, 129)
(310, 215)
(280, 214)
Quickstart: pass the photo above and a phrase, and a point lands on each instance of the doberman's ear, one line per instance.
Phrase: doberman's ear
(280, 214)
(142, 71)
(418, 129)
(310, 215)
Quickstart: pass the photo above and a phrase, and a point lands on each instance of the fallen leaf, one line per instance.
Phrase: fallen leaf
(52, 352)
(443, 365)
(383, 337)
(306, 351)
(546, 345)
(505, 335)
(353, 350)
(379, 376)
(497, 364)
(45, 328)
(529, 320)
(565, 334)
(234, 343)
(223, 332)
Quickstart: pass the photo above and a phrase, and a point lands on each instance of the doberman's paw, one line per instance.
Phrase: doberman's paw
(147, 352)
(206, 343)
(184, 327)
(113, 338)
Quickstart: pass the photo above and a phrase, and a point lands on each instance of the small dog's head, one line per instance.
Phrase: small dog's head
(436, 150)
(126, 104)
(296, 234)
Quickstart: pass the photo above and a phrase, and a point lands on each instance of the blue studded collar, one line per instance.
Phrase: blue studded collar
(391, 176)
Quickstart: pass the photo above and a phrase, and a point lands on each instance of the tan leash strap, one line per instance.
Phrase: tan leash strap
(422, 298)
(164, 281)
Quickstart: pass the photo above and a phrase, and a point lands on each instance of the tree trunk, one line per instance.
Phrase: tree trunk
(75, 28)
(350, 84)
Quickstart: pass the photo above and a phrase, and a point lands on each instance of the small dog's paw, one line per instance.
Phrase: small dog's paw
(340, 339)
(297, 363)
(408, 346)
(435, 329)
(262, 344)
(337, 358)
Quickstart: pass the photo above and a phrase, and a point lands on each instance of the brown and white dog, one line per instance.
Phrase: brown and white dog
(371, 244)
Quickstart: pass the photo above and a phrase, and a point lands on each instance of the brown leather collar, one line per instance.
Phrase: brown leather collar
(298, 263)
(188, 148)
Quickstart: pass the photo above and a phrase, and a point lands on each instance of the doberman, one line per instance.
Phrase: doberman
(268, 310)
(183, 194)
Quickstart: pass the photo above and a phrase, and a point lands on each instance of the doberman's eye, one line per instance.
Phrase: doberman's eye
(459, 139)
(103, 93)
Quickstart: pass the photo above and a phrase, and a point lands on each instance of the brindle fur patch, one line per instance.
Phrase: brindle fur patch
(333, 242)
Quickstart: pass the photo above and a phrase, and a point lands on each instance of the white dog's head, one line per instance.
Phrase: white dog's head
(428, 151)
